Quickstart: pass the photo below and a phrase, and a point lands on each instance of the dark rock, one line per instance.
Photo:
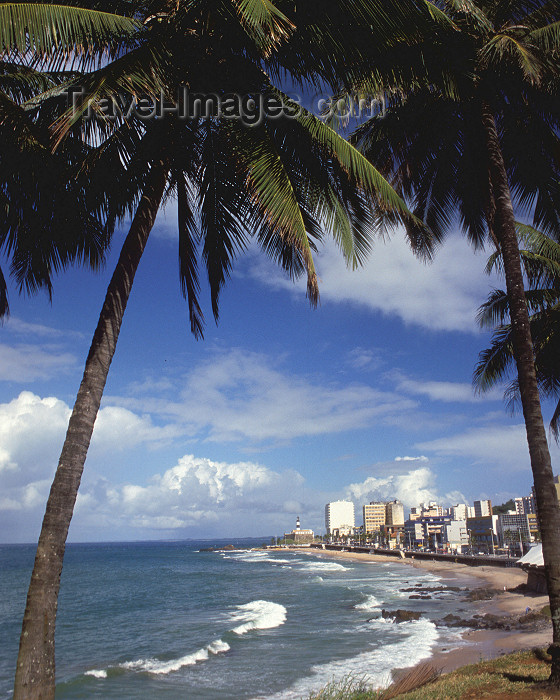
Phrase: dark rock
(482, 594)
(451, 618)
(401, 615)
(419, 597)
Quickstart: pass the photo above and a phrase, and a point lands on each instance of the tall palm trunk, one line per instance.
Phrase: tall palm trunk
(35, 672)
(545, 491)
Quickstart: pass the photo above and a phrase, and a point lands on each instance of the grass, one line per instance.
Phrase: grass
(523, 674)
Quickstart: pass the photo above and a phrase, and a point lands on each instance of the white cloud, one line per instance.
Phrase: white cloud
(448, 392)
(413, 487)
(421, 458)
(500, 446)
(20, 327)
(32, 431)
(241, 395)
(443, 295)
(364, 358)
(197, 493)
(27, 363)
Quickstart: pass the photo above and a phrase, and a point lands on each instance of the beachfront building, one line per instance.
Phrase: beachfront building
(525, 505)
(339, 515)
(516, 529)
(459, 512)
(415, 513)
(394, 513)
(455, 536)
(374, 517)
(430, 532)
(482, 508)
(299, 535)
(483, 533)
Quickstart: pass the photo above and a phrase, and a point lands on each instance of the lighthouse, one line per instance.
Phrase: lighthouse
(298, 535)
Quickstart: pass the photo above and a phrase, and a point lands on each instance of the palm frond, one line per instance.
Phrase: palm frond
(188, 254)
(506, 47)
(264, 23)
(547, 38)
(41, 29)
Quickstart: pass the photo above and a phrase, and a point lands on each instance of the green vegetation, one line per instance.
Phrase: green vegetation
(523, 673)
(504, 507)
(541, 263)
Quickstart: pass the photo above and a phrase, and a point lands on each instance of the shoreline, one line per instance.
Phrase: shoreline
(481, 644)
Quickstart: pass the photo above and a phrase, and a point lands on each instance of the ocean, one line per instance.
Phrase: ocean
(166, 620)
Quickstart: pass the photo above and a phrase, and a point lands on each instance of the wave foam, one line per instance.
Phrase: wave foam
(324, 566)
(96, 673)
(159, 667)
(374, 666)
(370, 603)
(259, 615)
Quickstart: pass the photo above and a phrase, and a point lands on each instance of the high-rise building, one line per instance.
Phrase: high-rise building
(525, 505)
(394, 513)
(339, 514)
(374, 516)
(482, 508)
(459, 512)
(431, 510)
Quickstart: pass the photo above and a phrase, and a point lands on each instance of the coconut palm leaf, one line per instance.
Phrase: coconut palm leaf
(47, 31)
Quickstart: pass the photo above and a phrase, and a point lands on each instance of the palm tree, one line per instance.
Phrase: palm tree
(540, 257)
(284, 181)
(469, 148)
(45, 221)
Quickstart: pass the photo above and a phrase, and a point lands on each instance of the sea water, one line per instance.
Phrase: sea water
(166, 620)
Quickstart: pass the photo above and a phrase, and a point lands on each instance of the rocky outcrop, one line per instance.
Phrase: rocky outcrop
(533, 621)
(401, 615)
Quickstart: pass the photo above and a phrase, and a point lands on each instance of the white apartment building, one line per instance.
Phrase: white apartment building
(482, 508)
(339, 515)
(525, 505)
(394, 513)
(459, 512)
(456, 535)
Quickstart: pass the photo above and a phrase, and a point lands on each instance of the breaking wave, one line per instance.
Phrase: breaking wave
(258, 615)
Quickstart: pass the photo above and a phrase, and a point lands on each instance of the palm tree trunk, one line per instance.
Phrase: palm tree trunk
(545, 491)
(35, 672)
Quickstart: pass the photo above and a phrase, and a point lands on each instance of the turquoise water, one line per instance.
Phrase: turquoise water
(164, 620)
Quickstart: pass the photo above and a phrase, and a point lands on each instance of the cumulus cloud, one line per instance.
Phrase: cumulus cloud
(412, 487)
(240, 394)
(443, 295)
(197, 493)
(32, 431)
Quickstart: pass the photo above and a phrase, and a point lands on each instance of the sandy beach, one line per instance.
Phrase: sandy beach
(482, 644)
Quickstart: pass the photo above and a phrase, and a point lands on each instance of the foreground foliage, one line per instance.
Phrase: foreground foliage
(523, 673)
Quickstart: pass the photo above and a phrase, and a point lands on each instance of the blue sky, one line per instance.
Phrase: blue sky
(280, 409)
